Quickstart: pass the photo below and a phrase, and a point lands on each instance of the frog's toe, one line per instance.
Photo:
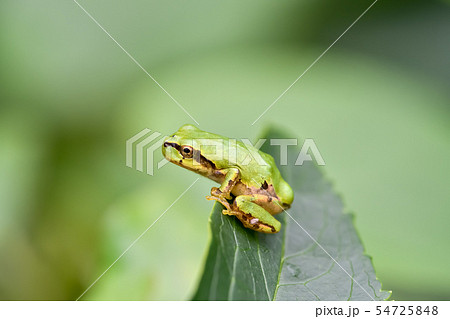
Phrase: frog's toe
(221, 200)
(218, 193)
(227, 212)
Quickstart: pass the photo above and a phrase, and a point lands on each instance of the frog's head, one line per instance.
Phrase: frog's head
(179, 149)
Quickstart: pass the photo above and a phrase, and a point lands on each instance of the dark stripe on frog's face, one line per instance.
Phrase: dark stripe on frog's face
(197, 156)
(174, 145)
(204, 161)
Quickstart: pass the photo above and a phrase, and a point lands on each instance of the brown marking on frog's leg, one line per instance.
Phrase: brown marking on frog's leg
(248, 221)
(242, 209)
(228, 179)
(254, 223)
(232, 176)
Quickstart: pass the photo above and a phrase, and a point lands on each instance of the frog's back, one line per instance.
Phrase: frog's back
(267, 177)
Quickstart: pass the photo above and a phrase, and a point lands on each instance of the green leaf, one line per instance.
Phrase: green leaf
(316, 256)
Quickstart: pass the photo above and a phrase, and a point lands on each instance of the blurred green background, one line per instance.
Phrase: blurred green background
(377, 106)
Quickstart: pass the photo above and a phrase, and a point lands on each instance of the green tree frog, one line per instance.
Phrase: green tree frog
(241, 170)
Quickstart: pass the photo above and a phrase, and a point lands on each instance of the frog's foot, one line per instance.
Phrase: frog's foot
(250, 221)
(254, 216)
(218, 193)
(221, 200)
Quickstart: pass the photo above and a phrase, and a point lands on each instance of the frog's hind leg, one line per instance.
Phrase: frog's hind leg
(249, 210)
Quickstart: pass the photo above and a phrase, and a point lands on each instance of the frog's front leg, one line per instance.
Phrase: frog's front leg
(222, 193)
(250, 210)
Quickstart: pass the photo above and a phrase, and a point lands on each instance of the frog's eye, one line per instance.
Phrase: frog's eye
(187, 151)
